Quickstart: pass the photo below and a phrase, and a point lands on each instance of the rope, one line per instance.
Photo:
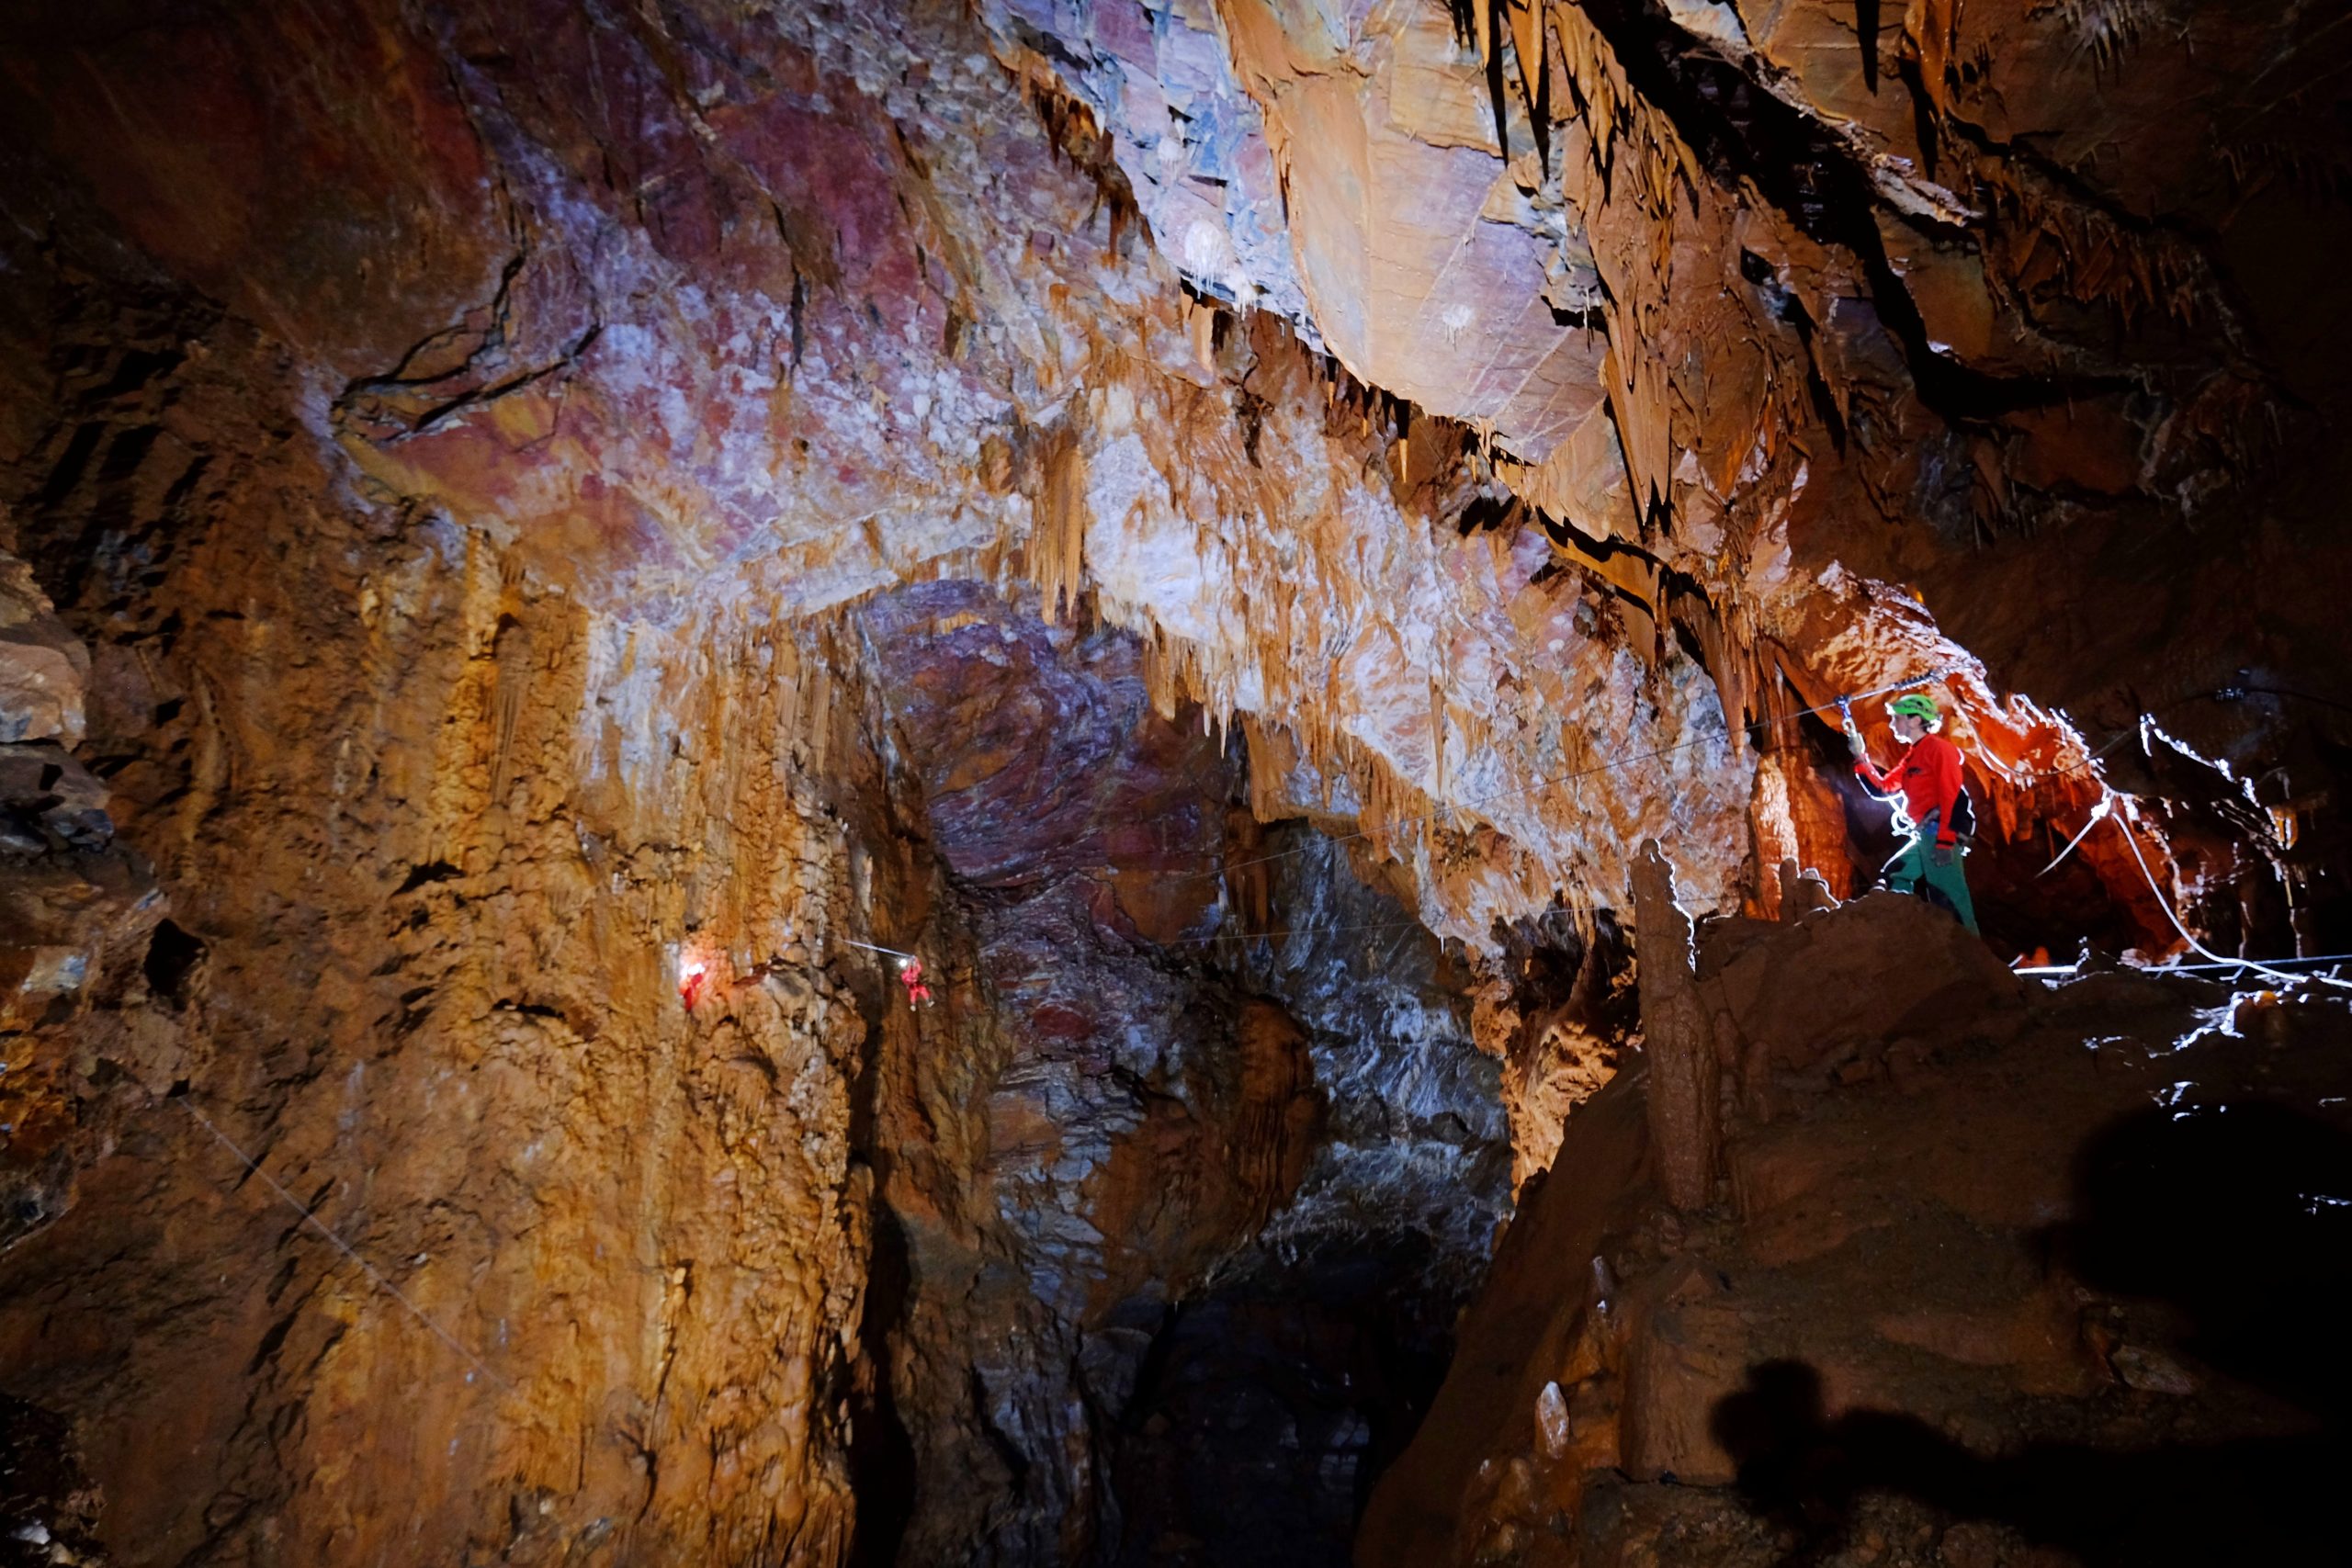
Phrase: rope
(2217, 694)
(2195, 945)
(876, 947)
(341, 1246)
(2199, 968)
(2233, 694)
(2097, 812)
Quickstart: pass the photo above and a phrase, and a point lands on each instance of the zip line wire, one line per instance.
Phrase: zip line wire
(344, 1248)
(876, 947)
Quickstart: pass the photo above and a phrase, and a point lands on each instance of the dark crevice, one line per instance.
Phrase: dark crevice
(1008, 1452)
(1485, 513)
(881, 1454)
(1498, 98)
(431, 871)
(66, 472)
(172, 958)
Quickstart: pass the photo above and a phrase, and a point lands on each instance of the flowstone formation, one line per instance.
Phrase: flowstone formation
(543, 547)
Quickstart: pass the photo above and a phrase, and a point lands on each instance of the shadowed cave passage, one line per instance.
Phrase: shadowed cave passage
(1234, 1187)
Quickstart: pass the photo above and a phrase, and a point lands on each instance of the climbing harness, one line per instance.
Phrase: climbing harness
(910, 975)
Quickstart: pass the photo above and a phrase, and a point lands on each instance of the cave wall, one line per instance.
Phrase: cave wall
(1999, 1270)
(476, 463)
(647, 397)
(452, 844)
(1989, 338)
(953, 338)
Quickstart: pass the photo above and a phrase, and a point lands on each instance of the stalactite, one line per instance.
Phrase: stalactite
(1058, 539)
(1676, 1040)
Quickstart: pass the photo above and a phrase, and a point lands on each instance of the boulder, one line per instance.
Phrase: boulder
(42, 782)
(1842, 984)
(44, 669)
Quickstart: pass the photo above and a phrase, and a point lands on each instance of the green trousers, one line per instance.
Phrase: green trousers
(1914, 870)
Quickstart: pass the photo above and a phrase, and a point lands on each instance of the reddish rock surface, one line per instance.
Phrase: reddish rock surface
(1128, 1121)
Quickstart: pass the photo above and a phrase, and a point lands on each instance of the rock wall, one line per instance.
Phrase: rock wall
(688, 399)
(87, 944)
(1125, 1163)
(1839, 358)
(455, 847)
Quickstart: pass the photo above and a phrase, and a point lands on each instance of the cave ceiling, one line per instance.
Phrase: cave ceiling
(1742, 337)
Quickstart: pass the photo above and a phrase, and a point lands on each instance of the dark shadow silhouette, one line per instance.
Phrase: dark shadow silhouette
(881, 1451)
(2241, 1217)
(2236, 1223)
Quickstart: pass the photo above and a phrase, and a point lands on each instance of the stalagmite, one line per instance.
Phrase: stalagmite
(1677, 1041)
(1803, 891)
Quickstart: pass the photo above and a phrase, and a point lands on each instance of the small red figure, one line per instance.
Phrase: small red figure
(691, 980)
(910, 972)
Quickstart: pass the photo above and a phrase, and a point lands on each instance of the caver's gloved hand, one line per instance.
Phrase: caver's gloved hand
(1854, 741)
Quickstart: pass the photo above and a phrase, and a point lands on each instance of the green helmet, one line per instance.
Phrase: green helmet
(1918, 706)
